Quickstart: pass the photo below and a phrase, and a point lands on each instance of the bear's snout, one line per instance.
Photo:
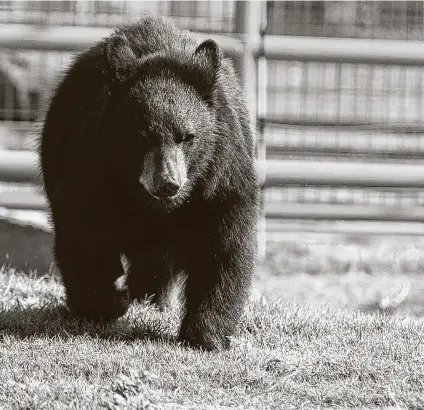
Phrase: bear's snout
(164, 172)
(166, 187)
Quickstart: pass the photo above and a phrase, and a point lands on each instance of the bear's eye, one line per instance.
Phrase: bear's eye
(189, 137)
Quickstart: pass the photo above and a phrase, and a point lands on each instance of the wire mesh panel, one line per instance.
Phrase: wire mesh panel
(399, 20)
(353, 93)
(344, 111)
(27, 79)
(198, 15)
(329, 109)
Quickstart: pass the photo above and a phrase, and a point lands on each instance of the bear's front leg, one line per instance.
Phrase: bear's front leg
(89, 275)
(217, 287)
(149, 274)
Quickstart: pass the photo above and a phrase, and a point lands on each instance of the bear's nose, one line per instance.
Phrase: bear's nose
(167, 188)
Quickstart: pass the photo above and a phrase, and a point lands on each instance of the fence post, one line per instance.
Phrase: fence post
(250, 22)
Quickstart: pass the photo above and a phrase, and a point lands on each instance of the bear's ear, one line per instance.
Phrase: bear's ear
(207, 57)
(120, 59)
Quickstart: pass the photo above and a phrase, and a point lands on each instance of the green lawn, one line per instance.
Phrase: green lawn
(288, 353)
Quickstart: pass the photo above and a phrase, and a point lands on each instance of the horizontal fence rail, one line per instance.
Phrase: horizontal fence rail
(342, 124)
(24, 201)
(274, 227)
(274, 211)
(19, 167)
(344, 212)
(303, 172)
(73, 38)
(22, 167)
(344, 50)
(339, 50)
(341, 152)
(326, 148)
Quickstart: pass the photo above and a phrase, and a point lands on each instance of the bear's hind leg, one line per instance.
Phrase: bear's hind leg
(149, 275)
(89, 277)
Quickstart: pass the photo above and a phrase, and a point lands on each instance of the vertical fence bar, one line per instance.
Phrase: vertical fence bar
(249, 17)
(247, 26)
(262, 96)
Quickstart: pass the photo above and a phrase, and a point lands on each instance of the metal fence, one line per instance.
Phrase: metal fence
(340, 117)
(401, 20)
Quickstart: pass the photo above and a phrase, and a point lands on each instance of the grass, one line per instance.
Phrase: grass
(367, 273)
(287, 354)
(339, 253)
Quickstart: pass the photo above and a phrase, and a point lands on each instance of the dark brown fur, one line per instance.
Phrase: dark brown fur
(145, 88)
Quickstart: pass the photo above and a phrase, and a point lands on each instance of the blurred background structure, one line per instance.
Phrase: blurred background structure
(335, 90)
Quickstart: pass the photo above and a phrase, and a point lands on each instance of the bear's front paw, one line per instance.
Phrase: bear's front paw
(203, 338)
(98, 310)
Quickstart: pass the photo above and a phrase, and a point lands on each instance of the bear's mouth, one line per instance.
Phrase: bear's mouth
(166, 189)
(168, 203)
(163, 193)
(163, 198)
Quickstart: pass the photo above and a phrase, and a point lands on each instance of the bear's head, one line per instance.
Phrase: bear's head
(159, 124)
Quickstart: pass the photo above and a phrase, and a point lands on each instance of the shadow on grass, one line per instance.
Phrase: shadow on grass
(141, 322)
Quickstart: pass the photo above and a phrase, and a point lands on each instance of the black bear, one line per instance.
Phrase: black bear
(147, 151)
